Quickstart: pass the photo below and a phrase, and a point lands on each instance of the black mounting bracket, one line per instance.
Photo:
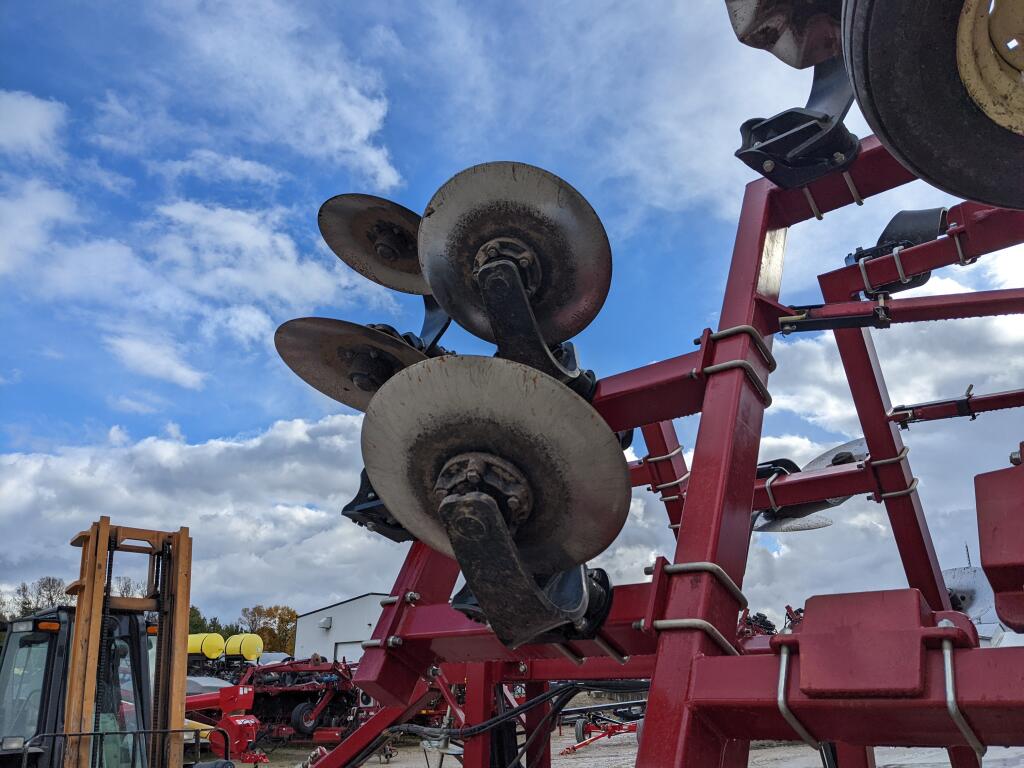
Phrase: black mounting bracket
(367, 510)
(802, 144)
(904, 230)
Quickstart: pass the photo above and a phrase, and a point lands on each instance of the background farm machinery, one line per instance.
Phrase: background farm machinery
(310, 701)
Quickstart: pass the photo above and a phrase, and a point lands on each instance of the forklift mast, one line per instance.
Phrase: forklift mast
(102, 683)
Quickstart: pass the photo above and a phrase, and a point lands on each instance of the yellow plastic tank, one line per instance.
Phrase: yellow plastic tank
(249, 647)
(208, 644)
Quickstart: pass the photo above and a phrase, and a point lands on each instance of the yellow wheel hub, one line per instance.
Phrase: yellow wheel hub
(990, 57)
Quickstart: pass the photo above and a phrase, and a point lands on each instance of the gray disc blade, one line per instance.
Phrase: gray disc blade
(376, 237)
(334, 357)
(446, 406)
(536, 207)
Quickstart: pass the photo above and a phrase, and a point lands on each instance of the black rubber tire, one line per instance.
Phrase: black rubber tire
(580, 730)
(300, 718)
(901, 56)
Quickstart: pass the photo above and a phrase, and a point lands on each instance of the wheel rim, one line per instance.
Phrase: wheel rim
(990, 58)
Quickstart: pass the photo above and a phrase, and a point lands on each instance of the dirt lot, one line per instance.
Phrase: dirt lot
(621, 753)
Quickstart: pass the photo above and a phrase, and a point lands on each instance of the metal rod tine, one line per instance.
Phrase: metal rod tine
(853, 188)
(812, 203)
(609, 649)
(569, 653)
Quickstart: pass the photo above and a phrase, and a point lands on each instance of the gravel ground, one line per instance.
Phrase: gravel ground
(620, 752)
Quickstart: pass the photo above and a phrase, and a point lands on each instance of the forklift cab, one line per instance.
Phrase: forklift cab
(33, 687)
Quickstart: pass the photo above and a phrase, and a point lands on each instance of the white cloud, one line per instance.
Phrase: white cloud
(156, 358)
(140, 402)
(213, 166)
(117, 435)
(280, 80)
(130, 126)
(263, 510)
(91, 172)
(30, 127)
(29, 212)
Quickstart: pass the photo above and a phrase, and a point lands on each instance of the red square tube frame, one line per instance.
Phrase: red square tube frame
(711, 694)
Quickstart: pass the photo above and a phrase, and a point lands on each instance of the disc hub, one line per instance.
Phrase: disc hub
(516, 251)
(368, 367)
(391, 243)
(490, 474)
(990, 58)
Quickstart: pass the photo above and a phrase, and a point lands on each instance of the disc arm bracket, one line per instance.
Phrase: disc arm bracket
(516, 332)
(518, 609)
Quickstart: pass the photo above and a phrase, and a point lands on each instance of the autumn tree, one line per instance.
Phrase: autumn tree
(274, 623)
(198, 623)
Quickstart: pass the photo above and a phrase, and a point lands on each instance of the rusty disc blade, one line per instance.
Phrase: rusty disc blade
(536, 208)
(376, 237)
(345, 361)
(446, 406)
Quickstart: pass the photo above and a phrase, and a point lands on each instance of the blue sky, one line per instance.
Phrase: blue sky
(160, 171)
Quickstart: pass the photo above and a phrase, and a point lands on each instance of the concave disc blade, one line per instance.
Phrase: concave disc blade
(376, 237)
(513, 200)
(341, 359)
(450, 405)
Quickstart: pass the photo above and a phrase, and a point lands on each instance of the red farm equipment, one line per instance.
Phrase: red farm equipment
(510, 469)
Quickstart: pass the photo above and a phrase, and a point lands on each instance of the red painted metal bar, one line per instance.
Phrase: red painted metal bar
(952, 307)
(657, 392)
(666, 467)
(873, 172)
(798, 488)
(365, 734)
(739, 697)
(391, 678)
(967, 405)
(538, 754)
(716, 526)
(480, 686)
(979, 229)
(804, 487)
(906, 515)
(451, 636)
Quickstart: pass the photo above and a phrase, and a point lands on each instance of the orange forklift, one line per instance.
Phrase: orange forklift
(102, 684)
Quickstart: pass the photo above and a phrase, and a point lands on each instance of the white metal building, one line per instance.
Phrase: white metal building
(337, 631)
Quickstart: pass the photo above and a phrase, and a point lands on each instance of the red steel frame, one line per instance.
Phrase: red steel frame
(704, 706)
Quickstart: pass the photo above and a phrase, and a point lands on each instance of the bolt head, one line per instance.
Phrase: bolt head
(768, 166)
(838, 157)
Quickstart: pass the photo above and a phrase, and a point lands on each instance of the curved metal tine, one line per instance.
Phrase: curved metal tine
(435, 323)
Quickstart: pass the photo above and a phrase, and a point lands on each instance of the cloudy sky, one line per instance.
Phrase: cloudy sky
(161, 166)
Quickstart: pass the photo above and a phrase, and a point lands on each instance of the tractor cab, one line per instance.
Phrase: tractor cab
(33, 688)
